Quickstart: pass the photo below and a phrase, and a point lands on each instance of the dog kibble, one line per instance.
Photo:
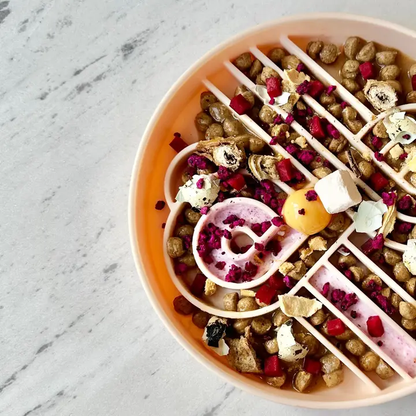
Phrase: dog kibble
(384, 371)
(290, 62)
(369, 361)
(386, 57)
(230, 301)
(276, 55)
(407, 310)
(314, 48)
(276, 381)
(333, 379)
(174, 247)
(330, 363)
(355, 347)
(261, 326)
(241, 324)
(200, 319)
(401, 273)
(352, 46)
(389, 72)
(219, 112)
(183, 306)
(318, 318)
(247, 304)
(367, 53)
(243, 62)
(302, 381)
(206, 99)
(329, 54)
(350, 69)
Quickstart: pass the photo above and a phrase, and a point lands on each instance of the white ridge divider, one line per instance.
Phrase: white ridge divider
(354, 328)
(316, 144)
(390, 282)
(334, 350)
(367, 115)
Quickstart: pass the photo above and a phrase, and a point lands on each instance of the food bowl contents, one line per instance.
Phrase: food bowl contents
(377, 75)
(265, 214)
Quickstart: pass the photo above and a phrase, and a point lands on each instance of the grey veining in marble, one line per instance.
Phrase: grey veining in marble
(78, 81)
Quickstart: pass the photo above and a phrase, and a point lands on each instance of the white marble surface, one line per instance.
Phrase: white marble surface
(78, 81)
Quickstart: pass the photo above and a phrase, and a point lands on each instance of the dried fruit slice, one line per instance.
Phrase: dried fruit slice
(285, 169)
(239, 104)
(311, 366)
(272, 367)
(316, 129)
(273, 86)
(266, 294)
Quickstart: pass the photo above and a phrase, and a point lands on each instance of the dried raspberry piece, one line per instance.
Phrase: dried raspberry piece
(348, 274)
(291, 149)
(344, 105)
(278, 119)
(379, 156)
(377, 142)
(197, 161)
(234, 274)
(163, 225)
(180, 268)
(259, 247)
(331, 89)
(200, 183)
(353, 314)
(311, 366)
(403, 156)
(373, 244)
(349, 300)
(244, 249)
(385, 304)
(220, 265)
(404, 228)
(251, 268)
(325, 289)
(272, 367)
(375, 326)
(289, 119)
(227, 234)
(337, 295)
(223, 173)
(405, 203)
(272, 101)
(204, 210)
(301, 211)
(332, 131)
(335, 327)
(160, 205)
(303, 88)
(311, 196)
(239, 104)
(273, 87)
(306, 156)
(266, 294)
(301, 67)
(274, 140)
(273, 247)
(389, 198)
(289, 282)
(277, 221)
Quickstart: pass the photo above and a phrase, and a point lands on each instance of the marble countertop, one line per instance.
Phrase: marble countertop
(79, 81)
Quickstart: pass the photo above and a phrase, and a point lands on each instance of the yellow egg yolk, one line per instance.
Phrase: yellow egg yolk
(308, 217)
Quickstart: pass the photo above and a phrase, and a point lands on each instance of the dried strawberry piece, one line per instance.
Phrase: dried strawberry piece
(404, 228)
(289, 282)
(239, 104)
(311, 366)
(266, 294)
(404, 203)
(285, 170)
(177, 144)
(377, 142)
(204, 210)
(316, 129)
(367, 70)
(348, 274)
(414, 82)
(223, 173)
(375, 326)
(180, 268)
(332, 131)
(276, 282)
(289, 119)
(303, 88)
(331, 89)
(335, 327)
(315, 88)
(198, 285)
(291, 149)
(273, 87)
(379, 157)
(378, 181)
(237, 181)
(272, 367)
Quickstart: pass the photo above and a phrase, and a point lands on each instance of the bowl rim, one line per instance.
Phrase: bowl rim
(138, 260)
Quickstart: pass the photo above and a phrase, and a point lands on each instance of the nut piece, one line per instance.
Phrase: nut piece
(276, 381)
(366, 169)
(401, 274)
(369, 361)
(230, 301)
(200, 319)
(203, 121)
(366, 283)
(384, 371)
(243, 62)
(247, 304)
(352, 46)
(318, 244)
(411, 286)
(330, 363)
(302, 380)
(276, 55)
(358, 273)
(271, 346)
(279, 318)
(267, 115)
(391, 257)
(409, 324)
(290, 62)
(379, 130)
(206, 99)
(355, 347)
(347, 261)
(313, 48)
(389, 72)
(329, 54)
(299, 271)
(182, 305)
(411, 97)
(407, 310)
(395, 300)
(261, 326)
(174, 247)
(318, 317)
(333, 379)
(350, 69)
(335, 110)
(367, 53)
(386, 57)
(241, 324)
(268, 72)
(351, 85)
(210, 288)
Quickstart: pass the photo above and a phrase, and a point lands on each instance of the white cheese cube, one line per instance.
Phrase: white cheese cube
(338, 192)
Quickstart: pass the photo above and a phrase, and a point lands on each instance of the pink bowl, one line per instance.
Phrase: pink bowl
(176, 113)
